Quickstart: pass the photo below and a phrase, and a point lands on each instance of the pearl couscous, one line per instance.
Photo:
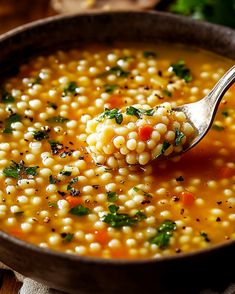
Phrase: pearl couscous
(55, 194)
(138, 135)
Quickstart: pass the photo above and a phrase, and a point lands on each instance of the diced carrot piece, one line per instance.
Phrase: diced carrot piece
(187, 198)
(226, 172)
(101, 236)
(17, 233)
(115, 101)
(145, 132)
(73, 201)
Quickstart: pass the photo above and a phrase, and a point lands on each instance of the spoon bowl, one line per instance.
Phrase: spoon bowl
(202, 113)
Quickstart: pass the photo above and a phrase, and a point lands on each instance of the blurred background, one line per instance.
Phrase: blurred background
(16, 12)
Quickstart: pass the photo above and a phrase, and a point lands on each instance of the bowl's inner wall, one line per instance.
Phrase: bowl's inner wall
(61, 33)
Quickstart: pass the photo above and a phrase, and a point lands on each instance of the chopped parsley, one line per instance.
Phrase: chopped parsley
(131, 110)
(205, 236)
(67, 237)
(116, 70)
(6, 97)
(66, 173)
(118, 220)
(19, 170)
(52, 204)
(166, 92)
(10, 120)
(57, 119)
(53, 180)
(70, 89)
(136, 189)
(36, 81)
(217, 127)
(79, 210)
(112, 114)
(40, 135)
(108, 88)
(225, 113)
(146, 194)
(164, 234)
(52, 105)
(148, 54)
(112, 196)
(165, 146)
(180, 69)
(178, 137)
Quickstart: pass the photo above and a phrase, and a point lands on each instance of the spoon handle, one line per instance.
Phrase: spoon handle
(216, 94)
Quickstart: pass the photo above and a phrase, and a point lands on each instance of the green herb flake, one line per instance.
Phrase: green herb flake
(180, 69)
(140, 215)
(167, 93)
(79, 210)
(112, 114)
(165, 146)
(70, 89)
(116, 70)
(31, 171)
(36, 81)
(6, 97)
(225, 113)
(57, 119)
(10, 120)
(117, 220)
(148, 112)
(148, 54)
(136, 189)
(52, 105)
(133, 111)
(178, 137)
(52, 179)
(112, 196)
(217, 127)
(113, 208)
(66, 173)
(205, 236)
(147, 194)
(19, 170)
(108, 88)
(68, 237)
(164, 234)
(40, 135)
(52, 204)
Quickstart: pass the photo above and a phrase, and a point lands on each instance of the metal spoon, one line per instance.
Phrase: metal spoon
(202, 113)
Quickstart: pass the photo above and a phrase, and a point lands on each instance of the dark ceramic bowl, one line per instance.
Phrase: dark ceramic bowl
(184, 273)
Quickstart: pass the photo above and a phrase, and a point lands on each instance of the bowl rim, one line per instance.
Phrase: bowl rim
(113, 261)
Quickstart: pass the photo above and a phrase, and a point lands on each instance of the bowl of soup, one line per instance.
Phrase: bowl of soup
(83, 206)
